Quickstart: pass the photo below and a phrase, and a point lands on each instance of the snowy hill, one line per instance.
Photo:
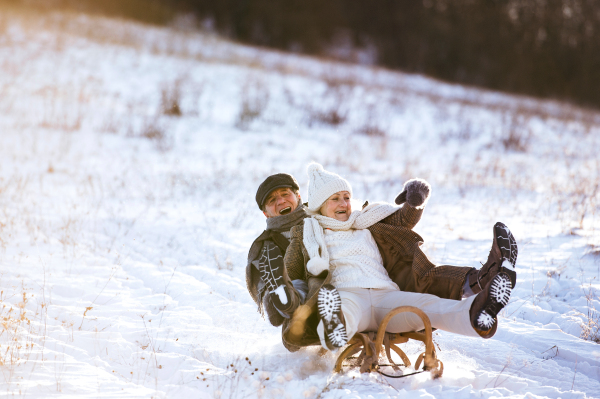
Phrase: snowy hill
(129, 160)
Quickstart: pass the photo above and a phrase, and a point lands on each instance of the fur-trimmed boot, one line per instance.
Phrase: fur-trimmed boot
(502, 258)
(489, 303)
(331, 328)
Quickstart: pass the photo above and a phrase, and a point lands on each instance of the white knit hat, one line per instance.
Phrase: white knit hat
(322, 185)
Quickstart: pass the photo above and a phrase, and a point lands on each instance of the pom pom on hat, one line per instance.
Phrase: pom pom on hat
(322, 185)
(317, 265)
(314, 167)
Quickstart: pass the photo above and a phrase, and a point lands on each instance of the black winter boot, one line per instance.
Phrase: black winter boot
(271, 269)
(489, 303)
(502, 258)
(331, 329)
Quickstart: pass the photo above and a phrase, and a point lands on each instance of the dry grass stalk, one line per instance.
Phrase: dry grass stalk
(170, 99)
(591, 328)
(255, 98)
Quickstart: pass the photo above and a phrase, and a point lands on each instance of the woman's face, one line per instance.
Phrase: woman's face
(337, 206)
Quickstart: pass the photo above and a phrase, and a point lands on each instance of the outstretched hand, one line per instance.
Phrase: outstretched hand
(415, 193)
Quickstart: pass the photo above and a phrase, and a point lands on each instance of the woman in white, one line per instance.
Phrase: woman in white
(361, 292)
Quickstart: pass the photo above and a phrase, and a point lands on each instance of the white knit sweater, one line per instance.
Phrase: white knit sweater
(355, 261)
(314, 238)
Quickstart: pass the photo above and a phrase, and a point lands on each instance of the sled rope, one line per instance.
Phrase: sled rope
(400, 376)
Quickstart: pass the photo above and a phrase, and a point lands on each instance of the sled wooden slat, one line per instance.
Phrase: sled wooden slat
(400, 353)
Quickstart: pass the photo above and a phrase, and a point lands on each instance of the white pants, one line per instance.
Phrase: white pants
(365, 308)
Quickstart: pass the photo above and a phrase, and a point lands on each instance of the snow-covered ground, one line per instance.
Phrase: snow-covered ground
(129, 160)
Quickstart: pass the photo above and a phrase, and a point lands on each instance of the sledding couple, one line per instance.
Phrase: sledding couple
(326, 270)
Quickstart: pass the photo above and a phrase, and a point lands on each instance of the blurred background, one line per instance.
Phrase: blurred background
(549, 49)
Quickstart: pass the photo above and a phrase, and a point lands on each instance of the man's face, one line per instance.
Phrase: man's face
(280, 201)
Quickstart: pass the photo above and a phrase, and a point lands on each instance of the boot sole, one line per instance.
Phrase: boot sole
(508, 247)
(333, 330)
(499, 295)
(272, 276)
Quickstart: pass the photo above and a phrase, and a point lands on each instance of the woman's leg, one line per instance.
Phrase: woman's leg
(444, 314)
(356, 307)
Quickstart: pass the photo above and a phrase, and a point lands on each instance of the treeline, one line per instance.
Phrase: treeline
(546, 48)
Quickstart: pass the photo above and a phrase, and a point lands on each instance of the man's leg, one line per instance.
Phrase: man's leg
(297, 295)
(282, 293)
(456, 282)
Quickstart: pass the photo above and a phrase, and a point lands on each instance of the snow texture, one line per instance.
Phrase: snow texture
(125, 224)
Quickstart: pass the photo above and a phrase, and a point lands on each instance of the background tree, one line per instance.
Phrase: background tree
(547, 48)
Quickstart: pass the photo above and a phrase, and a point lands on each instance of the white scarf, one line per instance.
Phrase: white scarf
(314, 239)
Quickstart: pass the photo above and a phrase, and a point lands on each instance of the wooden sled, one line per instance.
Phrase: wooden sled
(371, 346)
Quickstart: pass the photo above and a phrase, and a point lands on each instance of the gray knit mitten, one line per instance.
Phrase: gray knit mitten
(415, 193)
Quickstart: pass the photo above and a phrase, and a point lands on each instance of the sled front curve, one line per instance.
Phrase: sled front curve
(373, 344)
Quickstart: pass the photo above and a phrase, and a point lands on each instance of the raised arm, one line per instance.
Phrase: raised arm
(407, 216)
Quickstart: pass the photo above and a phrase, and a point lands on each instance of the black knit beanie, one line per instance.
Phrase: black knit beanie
(272, 182)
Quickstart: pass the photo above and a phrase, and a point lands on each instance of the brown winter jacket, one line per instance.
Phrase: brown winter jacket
(402, 257)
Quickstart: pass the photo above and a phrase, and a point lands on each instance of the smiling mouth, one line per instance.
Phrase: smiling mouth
(285, 211)
(338, 212)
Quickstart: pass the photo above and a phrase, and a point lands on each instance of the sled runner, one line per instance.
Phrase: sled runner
(371, 346)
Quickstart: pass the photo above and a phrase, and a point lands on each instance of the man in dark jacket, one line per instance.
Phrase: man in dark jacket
(279, 291)
(272, 287)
